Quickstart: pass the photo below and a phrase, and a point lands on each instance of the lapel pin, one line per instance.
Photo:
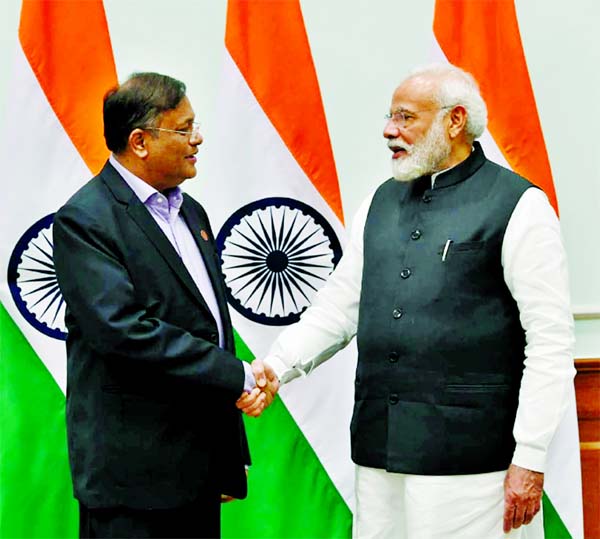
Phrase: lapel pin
(204, 235)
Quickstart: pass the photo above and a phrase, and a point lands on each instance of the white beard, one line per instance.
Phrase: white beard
(424, 156)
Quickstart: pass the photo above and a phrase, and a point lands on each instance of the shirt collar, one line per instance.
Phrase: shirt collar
(141, 189)
(144, 191)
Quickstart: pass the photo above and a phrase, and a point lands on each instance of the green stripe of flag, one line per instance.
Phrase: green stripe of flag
(286, 477)
(554, 528)
(35, 483)
(289, 491)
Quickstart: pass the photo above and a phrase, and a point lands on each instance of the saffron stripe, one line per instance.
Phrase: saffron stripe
(268, 43)
(68, 47)
(483, 38)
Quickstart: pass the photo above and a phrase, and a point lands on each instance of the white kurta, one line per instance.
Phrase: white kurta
(535, 271)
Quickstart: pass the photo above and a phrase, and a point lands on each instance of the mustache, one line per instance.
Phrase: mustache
(397, 144)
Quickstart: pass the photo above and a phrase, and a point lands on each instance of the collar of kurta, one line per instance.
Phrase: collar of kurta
(463, 170)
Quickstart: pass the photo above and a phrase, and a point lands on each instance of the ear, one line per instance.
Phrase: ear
(458, 121)
(137, 143)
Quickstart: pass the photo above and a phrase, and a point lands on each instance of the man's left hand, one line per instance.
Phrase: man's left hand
(252, 403)
(522, 496)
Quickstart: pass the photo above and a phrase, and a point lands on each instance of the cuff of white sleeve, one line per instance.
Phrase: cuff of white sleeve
(249, 381)
(283, 372)
(530, 458)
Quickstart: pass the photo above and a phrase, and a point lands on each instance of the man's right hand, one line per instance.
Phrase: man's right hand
(266, 380)
(267, 385)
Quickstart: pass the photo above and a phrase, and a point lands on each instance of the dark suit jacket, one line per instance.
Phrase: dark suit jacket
(151, 416)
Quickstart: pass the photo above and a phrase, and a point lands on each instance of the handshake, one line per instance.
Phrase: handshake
(267, 385)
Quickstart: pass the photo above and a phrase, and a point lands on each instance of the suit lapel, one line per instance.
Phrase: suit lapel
(202, 235)
(141, 216)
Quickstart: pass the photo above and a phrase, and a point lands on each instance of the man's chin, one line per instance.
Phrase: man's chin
(191, 172)
(404, 174)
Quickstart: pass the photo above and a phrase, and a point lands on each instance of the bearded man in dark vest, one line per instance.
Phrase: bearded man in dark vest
(455, 283)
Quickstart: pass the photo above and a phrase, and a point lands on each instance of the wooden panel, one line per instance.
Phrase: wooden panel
(587, 389)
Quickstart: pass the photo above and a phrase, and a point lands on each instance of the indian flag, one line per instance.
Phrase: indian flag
(51, 143)
(283, 202)
(272, 195)
(483, 38)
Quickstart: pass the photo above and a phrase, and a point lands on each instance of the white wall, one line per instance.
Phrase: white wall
(361, 50)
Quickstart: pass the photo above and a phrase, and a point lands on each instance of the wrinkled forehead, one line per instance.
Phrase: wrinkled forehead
(415, 93)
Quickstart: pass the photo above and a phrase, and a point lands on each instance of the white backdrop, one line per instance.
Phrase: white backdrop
(361, 50)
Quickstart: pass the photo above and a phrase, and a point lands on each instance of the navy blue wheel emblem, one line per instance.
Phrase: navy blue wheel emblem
(32, 280)
(276, 253)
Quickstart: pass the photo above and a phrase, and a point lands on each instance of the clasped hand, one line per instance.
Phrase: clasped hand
(267, 385)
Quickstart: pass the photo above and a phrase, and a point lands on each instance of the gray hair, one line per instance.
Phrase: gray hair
(457, 87)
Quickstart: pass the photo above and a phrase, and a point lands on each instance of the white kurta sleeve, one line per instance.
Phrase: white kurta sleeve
(330, 322)
(535, 271)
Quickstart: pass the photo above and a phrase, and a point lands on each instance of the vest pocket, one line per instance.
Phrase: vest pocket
(462, 247)
(466, 432)
(478, 435)
(465, 246)
(476, 388)
(471, 268)
(479, 395)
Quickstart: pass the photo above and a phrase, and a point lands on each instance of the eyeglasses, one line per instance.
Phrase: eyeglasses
(403, 117)
(194, 132)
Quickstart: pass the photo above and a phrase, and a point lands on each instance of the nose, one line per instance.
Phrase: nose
(196, 139)
(391, 130)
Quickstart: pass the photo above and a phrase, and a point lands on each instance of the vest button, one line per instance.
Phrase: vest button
(397, 313)
(405, 273)
(426, 199)
(393, 398)
(214, 338)
(393, 357)
(415, 235)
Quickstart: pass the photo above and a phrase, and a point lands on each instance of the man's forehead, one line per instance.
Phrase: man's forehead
(183, 112)
(414, 92)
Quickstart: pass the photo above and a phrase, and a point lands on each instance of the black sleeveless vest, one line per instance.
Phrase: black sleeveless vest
(440, 344)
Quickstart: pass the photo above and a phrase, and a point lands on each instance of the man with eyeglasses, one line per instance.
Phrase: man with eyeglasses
(155, 439)
(455, 284)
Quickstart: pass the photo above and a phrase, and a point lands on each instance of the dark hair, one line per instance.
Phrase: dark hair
(137, 103)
